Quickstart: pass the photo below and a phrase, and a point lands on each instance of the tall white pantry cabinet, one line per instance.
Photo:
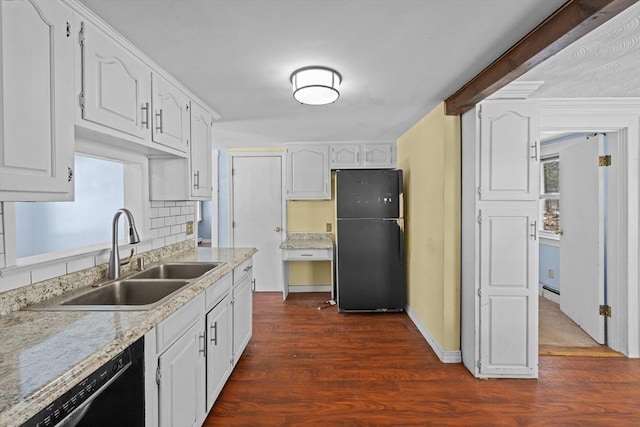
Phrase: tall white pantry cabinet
(500, 157)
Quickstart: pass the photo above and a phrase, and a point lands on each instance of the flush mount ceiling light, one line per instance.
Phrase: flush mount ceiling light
(316, 85)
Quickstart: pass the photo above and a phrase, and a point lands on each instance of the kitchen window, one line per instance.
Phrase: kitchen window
(550, 195)
(44, 227)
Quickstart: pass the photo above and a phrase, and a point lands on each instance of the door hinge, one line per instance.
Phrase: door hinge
(82, 100)
(70, 174)
(604, 160)
(68, 29)
(479, 364)
(480, 112)
(479, 292)
(81, 34)
(479, 191)
(605, 310)
(233, 224)
(479, 218)
(158, 375)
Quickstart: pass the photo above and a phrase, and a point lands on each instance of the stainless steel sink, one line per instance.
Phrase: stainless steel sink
(182, 270)
(129, 292)
(141, 291)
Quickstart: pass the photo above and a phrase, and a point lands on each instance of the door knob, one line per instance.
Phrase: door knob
(277, 229)
(559, 232)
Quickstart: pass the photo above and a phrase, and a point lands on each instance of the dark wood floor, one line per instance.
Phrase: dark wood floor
(309, 367)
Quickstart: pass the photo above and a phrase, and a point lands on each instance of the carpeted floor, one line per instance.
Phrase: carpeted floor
(559, 335)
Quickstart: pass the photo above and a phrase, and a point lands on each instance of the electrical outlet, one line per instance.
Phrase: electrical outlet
(189, 227)
(550, 273)
(328, 227)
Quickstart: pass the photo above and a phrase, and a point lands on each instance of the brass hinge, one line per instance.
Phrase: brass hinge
(605, 310)
(158, 375)
(604, 160)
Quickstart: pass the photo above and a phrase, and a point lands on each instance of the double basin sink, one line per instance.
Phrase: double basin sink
(140, 291)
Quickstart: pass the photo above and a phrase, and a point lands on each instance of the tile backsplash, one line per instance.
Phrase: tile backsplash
(166, 224)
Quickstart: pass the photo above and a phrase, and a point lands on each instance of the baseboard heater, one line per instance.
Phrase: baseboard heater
(547, 288)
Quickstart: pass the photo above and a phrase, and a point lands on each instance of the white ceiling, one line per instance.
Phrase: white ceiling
(398, 58)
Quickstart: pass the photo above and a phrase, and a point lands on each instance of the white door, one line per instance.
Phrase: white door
(36, 101)
(509, 151)
(508, 292)
(257, 215)
(582, 244)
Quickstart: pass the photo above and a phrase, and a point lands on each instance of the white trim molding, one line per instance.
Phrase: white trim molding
(445, 356)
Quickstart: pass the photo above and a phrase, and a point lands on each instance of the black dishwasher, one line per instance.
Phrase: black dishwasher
(113, 395)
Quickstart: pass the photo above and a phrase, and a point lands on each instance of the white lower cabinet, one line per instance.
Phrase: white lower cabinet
(182, 380)
(194, 350)
(219, 350)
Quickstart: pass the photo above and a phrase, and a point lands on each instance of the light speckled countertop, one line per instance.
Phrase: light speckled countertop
(43, 354)
(307, 241)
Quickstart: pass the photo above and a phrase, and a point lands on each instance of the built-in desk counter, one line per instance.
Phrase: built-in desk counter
(305, 247)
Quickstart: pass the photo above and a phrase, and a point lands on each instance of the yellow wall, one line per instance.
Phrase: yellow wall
(311, 216)
(429, 154)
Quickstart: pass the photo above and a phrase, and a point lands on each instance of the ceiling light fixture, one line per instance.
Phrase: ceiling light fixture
(316, 85)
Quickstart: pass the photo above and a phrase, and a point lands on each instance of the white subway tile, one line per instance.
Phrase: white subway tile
(181, 203)
(144, 247)
(169, 240)
(157, 222)
(168, 204)
(80, 264)
(157, 204)
(158, 243)
(15, 281)
(48, 272)
(185, 210)
(181, 219)
(176, 229)
(164, 231)
(176, 211)
(180, 237)
(153, 213)
(170, 220)
(164, 211)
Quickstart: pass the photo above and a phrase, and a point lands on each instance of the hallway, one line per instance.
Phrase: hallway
(306, 366)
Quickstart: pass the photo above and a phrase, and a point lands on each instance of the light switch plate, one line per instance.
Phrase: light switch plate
(189, 227)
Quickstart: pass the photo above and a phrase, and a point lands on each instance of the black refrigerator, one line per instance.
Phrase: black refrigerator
(370, 262)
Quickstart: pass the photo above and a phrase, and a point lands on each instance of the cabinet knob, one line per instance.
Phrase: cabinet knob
(277, 229)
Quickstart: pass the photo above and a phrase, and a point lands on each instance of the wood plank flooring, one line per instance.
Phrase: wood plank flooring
(313, 367)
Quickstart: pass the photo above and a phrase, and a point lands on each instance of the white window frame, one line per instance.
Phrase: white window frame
(136, 199)
(546, 196)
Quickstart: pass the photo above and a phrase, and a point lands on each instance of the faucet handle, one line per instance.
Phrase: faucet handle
(140, 263)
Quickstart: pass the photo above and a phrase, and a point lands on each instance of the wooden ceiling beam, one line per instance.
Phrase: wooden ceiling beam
(570, 22)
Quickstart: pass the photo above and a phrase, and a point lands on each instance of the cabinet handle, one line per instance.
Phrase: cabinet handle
(534, 229)
(306, 254)
(203, 347)
(535, 150)
(196, 180)
(159, 118)
(145, 109)
(214, 331)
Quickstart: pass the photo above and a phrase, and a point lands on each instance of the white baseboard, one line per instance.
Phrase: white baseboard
(445, 356)
(309, 288)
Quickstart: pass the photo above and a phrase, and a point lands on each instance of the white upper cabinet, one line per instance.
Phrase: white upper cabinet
(36, 108)
(170, 114)
(308, 172)
(509, 150)
(201, 122)
(363, 156)
(116, 86)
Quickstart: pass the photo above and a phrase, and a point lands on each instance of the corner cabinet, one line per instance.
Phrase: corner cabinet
(174, 178)
(363, 156)
(308, 172)
(36, 108)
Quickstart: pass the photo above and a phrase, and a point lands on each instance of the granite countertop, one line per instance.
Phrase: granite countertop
(45, 353)
(307, 241)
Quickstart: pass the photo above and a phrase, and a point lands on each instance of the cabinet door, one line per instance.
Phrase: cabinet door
(345, 156)
(182, 380)
(242, 316)
(219, 353)
(201, 121)
(170, 114)
(116, 86)
(308, 172)
(508, 150)
(508, 297)
(36, 107)
(379, 155)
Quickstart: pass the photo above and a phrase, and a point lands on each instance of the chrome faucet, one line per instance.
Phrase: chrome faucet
(114, 257)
